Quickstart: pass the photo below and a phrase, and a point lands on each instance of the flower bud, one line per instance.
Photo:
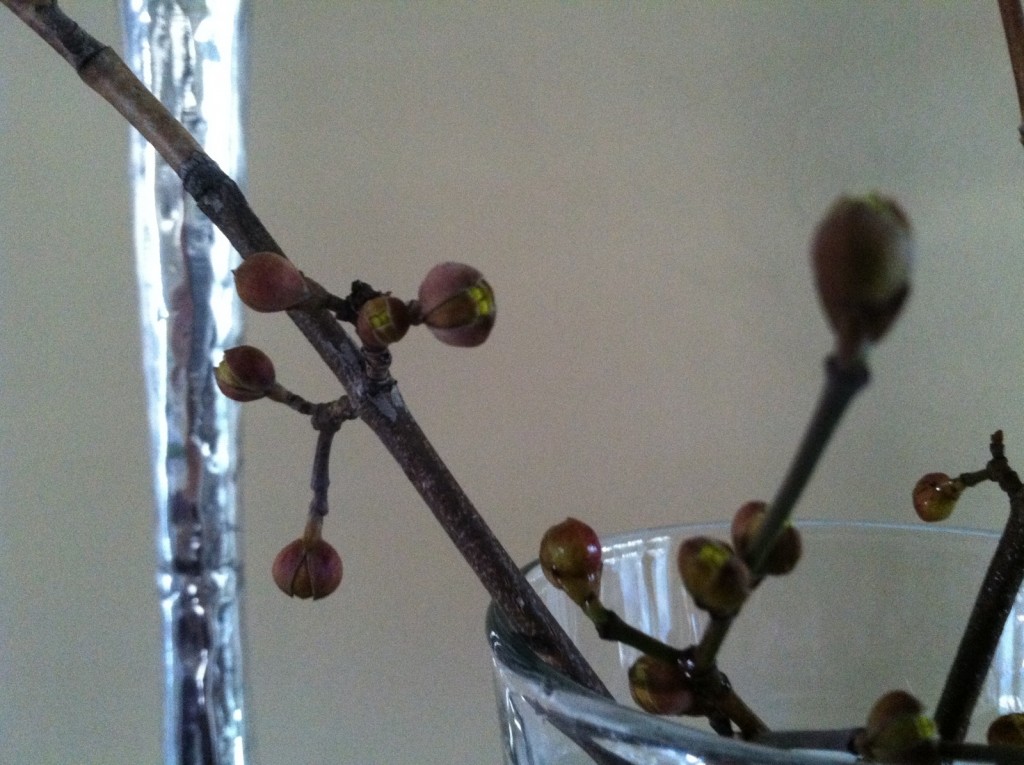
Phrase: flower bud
(570, 557)
(715, 576)
(382, 320)
(307, 569)
(661, 687)
(245, 373)
(935, 496)
(267, 282)
(746, 526)
(1007, 730)
(457, 304)
(862, 253)
(897, 731)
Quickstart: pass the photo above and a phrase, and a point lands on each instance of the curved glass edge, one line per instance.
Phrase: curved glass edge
(592, 716)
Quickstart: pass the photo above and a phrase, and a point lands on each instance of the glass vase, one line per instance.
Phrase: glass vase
(192, 55)
(870, 608)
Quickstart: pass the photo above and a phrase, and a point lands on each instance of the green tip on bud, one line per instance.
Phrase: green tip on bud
(661, 687)
(1006, 730)
(245, 374)
(898, 731)
(715, 576)
(935, 496)
(382, 320)
(268, 282)
(862, 253)
(457, 304)
(307, 568)
(746, 526)
(570, 557)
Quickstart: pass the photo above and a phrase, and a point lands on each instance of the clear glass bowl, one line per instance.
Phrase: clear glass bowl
(870, 608)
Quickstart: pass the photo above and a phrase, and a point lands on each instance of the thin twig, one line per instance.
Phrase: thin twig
(612, 627)
(842, 383)
(293, 401)
(714, 687)
(381, 407)
(320, 480)
(1013, 26)
(326, 419)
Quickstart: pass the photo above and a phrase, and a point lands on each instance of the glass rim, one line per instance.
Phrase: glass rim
(568, 701)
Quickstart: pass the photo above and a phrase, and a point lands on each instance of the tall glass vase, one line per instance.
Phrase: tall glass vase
(191, 54)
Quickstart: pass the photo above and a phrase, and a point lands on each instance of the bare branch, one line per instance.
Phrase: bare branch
(378, 403)
(994, 602)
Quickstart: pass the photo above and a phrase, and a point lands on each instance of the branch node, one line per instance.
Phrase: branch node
(378, 368)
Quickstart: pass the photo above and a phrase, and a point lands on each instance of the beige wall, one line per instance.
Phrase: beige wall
(638, 182)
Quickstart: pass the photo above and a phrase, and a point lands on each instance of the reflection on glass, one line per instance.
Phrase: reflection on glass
(191, 54)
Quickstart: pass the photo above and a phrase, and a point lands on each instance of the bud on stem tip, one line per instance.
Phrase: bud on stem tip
(862, 254)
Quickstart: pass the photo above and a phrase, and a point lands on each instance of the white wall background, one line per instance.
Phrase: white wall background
(638, 182)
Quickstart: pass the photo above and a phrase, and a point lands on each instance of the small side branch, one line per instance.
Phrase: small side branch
(995, 600)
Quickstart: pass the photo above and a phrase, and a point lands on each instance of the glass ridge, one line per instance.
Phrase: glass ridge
(192, 54)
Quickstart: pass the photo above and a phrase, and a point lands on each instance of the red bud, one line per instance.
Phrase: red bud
(715, 576)
(898, 731)
(268, 282)
(746, 526)
(1007, 730)
(862, 254)
(457, 304)
(660, 687)
(307, 569)
(382, 320)
(570, 556)
(935, 496)
(245, 373)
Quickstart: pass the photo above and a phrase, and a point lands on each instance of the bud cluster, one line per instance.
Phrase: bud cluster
(455, 302)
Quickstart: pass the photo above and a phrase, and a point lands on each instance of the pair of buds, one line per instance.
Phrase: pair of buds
(455, 302)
